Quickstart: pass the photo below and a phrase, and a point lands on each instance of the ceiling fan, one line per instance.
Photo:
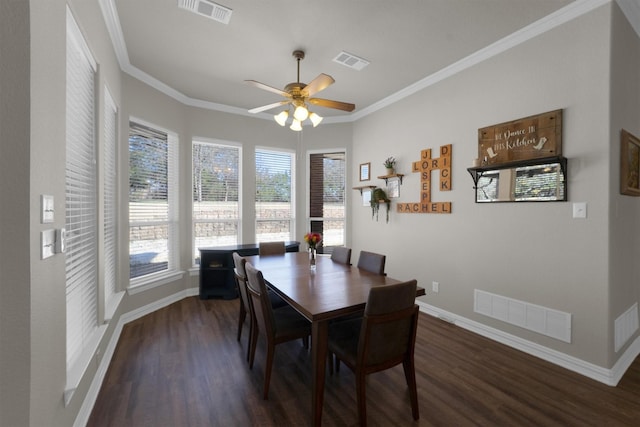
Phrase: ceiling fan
(297, 95)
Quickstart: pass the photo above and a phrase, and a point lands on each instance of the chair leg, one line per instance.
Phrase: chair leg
(330, 362)
(267, 370)
(241, 318)
(361, 398)
(251, 332)
(254, 342)
(305, 342)
(410, 375)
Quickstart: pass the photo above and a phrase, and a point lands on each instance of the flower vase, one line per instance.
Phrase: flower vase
(312, 259)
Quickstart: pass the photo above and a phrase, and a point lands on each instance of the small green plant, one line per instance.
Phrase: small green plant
(390, 163)
(377, 197)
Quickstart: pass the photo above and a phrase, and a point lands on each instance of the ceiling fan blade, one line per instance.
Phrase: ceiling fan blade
(345, 106)
(267, 88)
(321, 82)
(268, 107)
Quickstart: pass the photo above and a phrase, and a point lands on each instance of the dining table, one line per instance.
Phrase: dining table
(329, 291)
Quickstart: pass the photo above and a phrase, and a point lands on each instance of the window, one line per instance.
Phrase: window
(81, 202)
(327, 209)
(153, 213)
(274, 195)
(110, 197)
(216, 207)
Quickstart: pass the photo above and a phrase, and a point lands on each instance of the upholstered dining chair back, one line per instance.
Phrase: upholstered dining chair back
(245, 303)
(271, 248)
(372, 262)
(342, 255)
(385, 337)
(257, 291)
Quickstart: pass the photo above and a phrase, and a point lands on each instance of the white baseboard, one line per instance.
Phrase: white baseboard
(609, 377)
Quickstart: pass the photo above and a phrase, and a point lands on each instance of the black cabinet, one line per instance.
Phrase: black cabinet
(217, 278)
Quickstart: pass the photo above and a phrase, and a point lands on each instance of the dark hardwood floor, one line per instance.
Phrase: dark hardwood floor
(182, 366)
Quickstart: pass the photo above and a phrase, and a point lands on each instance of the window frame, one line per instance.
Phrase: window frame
(219, 143)
(152, 279)
(292, 172)
(311, 219)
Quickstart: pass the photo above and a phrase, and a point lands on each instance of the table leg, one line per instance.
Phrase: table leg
(319, 337)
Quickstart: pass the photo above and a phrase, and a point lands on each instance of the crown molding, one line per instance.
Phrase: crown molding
(631, 9)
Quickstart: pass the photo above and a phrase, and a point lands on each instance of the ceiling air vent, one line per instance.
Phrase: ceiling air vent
(207, 8)
(351, 61)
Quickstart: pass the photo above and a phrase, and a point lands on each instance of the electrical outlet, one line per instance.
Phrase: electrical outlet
(435, 287)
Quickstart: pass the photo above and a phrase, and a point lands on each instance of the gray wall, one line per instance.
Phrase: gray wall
(533, 252)
(15, 311)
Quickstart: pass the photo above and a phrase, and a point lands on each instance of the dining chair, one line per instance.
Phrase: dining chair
(245, 302)
(383, 338)
(271, 248)
(276, 325)
(372, 262)
(341, 254)
(246, 308)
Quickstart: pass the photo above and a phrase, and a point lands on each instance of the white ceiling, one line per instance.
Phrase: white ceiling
(408, 42)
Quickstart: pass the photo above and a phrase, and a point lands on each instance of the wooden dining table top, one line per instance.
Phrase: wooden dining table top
(333, 290)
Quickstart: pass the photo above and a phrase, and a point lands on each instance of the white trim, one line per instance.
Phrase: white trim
(631, 9)
(547, 23)
(607, 376)
(153, 281)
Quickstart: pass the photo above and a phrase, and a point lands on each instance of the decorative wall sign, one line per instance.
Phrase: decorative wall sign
(528, 138)
(629, 164)
(424, 166)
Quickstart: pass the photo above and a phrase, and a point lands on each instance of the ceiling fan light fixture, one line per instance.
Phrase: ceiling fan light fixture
(282, 117)
(296, 125)
(315, 119)
(301, 113)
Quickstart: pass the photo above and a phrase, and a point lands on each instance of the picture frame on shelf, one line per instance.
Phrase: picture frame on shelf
(366, 197)
(629, 164)
(393, 188)
(365, 171)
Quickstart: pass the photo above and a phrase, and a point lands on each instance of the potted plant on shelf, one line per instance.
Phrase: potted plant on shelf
(390, 164)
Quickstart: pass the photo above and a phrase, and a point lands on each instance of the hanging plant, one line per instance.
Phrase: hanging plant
(379, 196)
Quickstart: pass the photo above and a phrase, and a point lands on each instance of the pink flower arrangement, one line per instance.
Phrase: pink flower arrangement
(313, 239)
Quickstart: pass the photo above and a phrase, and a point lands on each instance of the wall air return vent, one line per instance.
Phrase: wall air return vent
(207, 8)
(351, 61)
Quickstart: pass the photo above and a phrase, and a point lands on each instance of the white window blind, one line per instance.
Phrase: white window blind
(274, 195)
(153, 210)
(327, 198)
(81, 201)
(110, 196)
(216, 187)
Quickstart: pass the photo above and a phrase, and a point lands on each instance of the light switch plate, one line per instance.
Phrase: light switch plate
(47, 242)
(47, 211)
(580, 210)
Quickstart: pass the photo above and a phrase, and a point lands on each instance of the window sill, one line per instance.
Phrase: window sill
(153, 281)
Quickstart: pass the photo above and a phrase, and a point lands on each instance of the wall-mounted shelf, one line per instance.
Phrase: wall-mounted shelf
(364, 187)
(477, 172)
(393, 175)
